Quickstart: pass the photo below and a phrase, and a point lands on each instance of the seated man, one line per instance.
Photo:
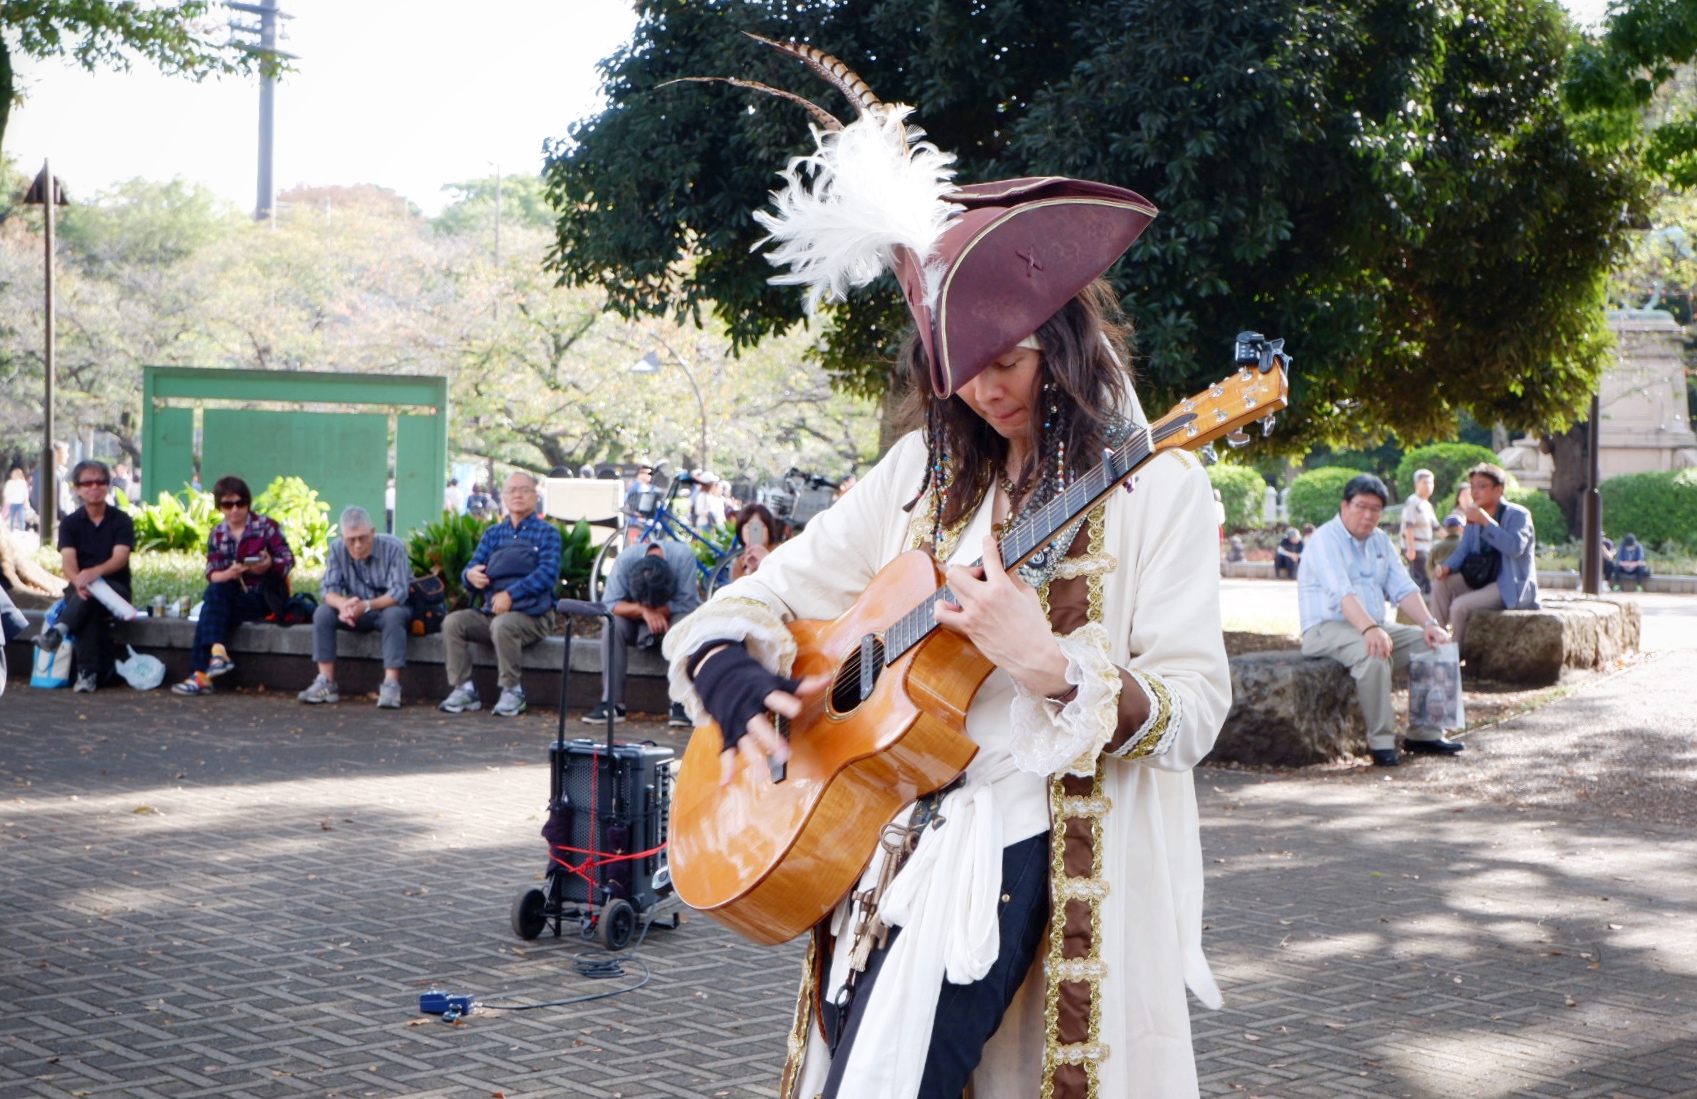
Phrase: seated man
(1630, 566)
(247, 569)
(95, 542)
(515, 568)
(1349, 570)
(366, 576)
(1500, 540)
(1288, 555)
(651, 587)
(12, 623)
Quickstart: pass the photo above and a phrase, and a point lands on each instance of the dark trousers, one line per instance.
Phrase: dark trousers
(616, 640)
(1417, 571)
(1284, 566)
(967, 1015)
(89, 624)
(225, 606)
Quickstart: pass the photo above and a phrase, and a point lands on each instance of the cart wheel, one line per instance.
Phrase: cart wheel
(601, 569)
(528, 918)
(617, 924)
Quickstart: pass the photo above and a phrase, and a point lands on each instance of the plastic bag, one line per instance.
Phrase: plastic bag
(1434, 689)
(141, 671)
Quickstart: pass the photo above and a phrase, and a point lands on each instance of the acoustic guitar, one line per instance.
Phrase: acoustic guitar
(771, 853)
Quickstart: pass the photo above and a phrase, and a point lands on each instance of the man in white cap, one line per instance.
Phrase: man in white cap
(1419, 526)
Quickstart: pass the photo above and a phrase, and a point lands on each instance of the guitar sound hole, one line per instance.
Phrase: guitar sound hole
(846, 689)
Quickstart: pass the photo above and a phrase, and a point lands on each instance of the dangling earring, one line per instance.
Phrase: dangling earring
(1054, 432)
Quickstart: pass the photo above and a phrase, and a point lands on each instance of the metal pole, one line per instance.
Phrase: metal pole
(264, 207)
(1591, 577)
(48, 479)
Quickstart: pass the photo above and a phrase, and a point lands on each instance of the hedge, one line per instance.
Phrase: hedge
(1658, 507)
(1243, 491)
(1314, 496)
(1547, 520)
(1449, 463)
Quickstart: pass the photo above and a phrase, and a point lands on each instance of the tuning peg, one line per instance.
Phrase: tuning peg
(1237, 439)
(1208, 455)
(1267, 423)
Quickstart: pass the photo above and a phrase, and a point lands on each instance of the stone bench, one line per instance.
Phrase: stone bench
(1290, 710)
(280, 659)
(1533, 648)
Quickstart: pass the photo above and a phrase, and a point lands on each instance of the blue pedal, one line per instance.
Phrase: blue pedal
(441, 1003)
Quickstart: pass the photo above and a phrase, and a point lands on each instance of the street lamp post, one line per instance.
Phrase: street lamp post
(651, 364)
(48, 193)
(1591, 511)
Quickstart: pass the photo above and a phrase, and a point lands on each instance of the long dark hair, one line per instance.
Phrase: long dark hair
(1085, 352)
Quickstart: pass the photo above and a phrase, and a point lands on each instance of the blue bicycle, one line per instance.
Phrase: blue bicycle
(656, 517)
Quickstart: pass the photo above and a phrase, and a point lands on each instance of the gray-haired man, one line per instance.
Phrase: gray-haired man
(365, 588)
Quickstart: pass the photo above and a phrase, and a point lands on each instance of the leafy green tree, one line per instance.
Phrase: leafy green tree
(1314, 496)
(177, 37)
(1393, 185)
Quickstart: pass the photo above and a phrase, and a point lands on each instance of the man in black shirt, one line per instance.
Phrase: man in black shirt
(95, 542)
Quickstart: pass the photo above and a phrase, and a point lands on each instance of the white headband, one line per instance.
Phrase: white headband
(1031, 342)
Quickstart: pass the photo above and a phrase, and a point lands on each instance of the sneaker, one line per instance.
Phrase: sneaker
(512, 702)
(49, 640)
(389, 695)
(678, 718)
(221, 664)
(86, 681)
(463, 698)
(196, 684)
(322, 690)
(598, 716)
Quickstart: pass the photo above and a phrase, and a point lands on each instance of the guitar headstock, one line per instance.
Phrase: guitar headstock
(1257, 391)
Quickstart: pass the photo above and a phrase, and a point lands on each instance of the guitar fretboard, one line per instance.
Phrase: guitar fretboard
(1034, 531)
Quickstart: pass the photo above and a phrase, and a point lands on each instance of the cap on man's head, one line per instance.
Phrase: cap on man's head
(1366, 482)
(1423, 475)
(1453, 521)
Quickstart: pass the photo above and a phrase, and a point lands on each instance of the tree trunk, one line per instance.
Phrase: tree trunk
(23, 573)
(1571, 453)
(889, 427)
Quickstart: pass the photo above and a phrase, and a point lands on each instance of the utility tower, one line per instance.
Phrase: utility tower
(261, 38)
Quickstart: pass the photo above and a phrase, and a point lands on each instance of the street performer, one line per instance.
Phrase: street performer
(1039, 937)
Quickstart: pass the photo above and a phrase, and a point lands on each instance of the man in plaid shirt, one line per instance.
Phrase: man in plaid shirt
(513, 573)
(247, 568)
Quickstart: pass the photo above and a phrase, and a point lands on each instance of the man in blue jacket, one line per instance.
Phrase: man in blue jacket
(513, 574)
(1495, 567)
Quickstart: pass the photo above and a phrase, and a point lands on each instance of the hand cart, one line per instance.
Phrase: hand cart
(608, 811)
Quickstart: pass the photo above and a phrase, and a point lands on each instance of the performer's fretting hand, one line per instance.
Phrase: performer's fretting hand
(1003, 618)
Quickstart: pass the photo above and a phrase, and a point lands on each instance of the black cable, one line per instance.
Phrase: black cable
(595, 965)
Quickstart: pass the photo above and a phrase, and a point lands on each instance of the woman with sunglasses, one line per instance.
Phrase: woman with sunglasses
(247, 571)
(95, 541)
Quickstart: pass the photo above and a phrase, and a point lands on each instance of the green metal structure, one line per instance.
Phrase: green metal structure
(343, 434)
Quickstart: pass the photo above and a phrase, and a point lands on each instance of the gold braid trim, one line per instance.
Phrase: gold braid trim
(1058, 968)
(1160, 728)
(796, 1043)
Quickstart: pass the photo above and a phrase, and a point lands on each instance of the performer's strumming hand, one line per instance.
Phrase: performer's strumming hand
(1002, 617)
(738, 692)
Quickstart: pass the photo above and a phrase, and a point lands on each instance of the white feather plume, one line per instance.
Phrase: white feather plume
(868, 188)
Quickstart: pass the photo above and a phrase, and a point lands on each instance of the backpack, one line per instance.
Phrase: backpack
(296, 609)
(427, 598)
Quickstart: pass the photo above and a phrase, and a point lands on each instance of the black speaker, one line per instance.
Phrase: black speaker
(608, 807)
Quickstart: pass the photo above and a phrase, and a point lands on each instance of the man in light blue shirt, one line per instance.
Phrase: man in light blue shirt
(1502, 537)
(1350, 568)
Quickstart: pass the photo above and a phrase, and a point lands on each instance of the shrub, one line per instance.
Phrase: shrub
(305, 518)
(1314, 496)
(1449, 463)
(1658, 507)
(577, 555)
(1242, 490)
(445, 547)
(179, 522)
(1547, 519)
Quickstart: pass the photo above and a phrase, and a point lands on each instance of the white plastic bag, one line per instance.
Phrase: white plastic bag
(1434, 689)
(141, 671)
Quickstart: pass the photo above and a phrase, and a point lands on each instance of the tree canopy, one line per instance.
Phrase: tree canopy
(1394, 186)
(177, 38)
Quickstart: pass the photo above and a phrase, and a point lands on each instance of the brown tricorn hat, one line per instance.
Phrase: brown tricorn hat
(1019, 251)
(982, 266)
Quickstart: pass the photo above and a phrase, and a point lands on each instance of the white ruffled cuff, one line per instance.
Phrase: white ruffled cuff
(1049, 737)
(750, 621)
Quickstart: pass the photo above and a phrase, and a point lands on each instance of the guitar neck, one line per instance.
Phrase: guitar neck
(1033, 532)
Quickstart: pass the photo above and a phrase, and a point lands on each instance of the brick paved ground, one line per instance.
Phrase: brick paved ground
(242, 897)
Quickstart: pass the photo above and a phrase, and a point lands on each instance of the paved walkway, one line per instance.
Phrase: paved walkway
(243, 897)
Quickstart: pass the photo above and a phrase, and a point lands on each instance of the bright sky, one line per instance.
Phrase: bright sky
(408, 94)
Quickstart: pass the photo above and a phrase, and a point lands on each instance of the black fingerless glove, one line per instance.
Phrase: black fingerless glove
(735, 686)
